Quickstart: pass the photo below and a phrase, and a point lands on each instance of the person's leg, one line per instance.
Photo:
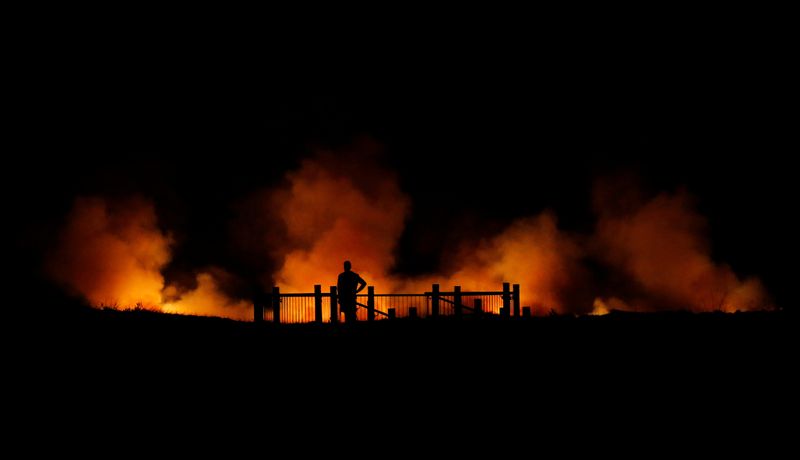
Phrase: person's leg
(350, 314)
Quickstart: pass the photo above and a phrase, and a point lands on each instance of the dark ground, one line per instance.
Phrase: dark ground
(674, 378)
(663, 351)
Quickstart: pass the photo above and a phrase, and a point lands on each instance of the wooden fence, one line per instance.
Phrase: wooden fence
(322, 307)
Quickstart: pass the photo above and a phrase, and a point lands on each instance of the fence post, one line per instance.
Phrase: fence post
(317, 303)
(477, 305)
(370, 303)
(334, 310)
(392, 313)
(276, 305)
(516, 300)
(435, 300)
(457, 301)
(506, 311)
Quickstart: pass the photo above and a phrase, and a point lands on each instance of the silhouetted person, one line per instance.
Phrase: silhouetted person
(349, 285)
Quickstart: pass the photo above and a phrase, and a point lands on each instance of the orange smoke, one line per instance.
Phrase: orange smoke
(660, 244)
(349, 207)
(206, 299)
(532, 252)
(343, 207)
(335, 208)
(112, 254)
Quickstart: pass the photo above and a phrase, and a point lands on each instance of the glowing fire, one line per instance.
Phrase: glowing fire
(340, 206)
(332, 212)
(660, 245)
(112, 253)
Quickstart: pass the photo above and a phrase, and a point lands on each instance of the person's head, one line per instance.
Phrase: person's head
(347, 266)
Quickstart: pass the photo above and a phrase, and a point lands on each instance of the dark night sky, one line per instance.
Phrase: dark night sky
(197, 131)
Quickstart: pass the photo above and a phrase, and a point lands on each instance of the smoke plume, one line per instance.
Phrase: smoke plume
(207, 298)
(112, 253)
(333, 208)
(661, 246)
(531, 251)
(347, 205)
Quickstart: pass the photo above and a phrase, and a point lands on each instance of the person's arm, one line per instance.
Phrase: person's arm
(361, 284)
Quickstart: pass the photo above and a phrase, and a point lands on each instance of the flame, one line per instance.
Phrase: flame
(531, 251)
(604, 306)
(349, 206)
(334, 211)
(112, 253)
(207, 299)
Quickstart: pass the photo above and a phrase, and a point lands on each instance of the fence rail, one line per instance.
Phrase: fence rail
(322, 307)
